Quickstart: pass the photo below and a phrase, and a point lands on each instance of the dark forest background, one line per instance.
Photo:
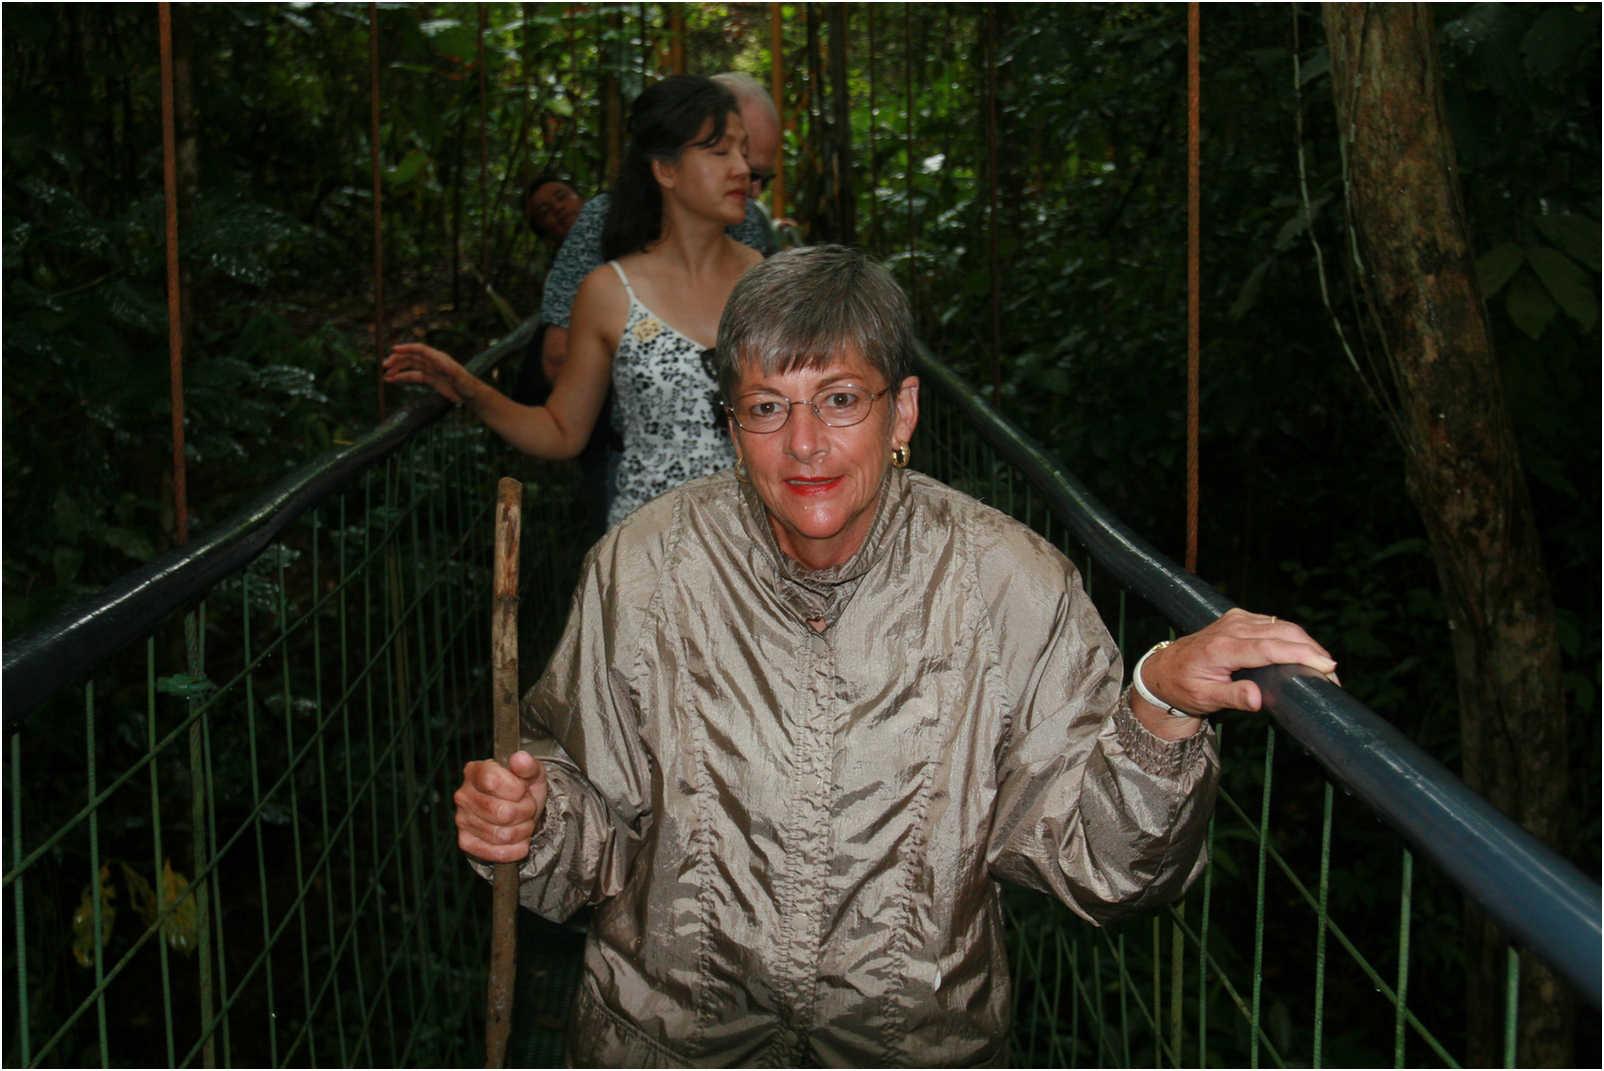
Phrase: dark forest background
(1020, 167)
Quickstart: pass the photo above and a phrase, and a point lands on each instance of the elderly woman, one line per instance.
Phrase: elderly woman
(809, 712)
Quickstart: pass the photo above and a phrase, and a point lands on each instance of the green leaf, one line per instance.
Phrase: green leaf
(1582, 692)
(1317, 66)
(1556, 39)
(1575, 236)
(133, 544)
(451, 37)
(68, 514)
(1403, 546)
(185, 685)
(66, 562)
(1567, 285)
(1248, 296)
(1495, 267)
(1529, 306)
(407, 169)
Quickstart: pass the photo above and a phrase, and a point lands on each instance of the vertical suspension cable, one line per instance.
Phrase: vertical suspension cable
(175, 345)
(874, 162)
(611, 31)
(1194, 214)
(993, 176)
(570, 21)
(175, 324)
(484, 152)
(1511, 1004)
(777, 91)
(380, 341)
(907, 85)
(676, 39)
(1400, 1015)
(1323, 918)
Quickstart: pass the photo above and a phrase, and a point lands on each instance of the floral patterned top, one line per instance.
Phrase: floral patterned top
(666, 403)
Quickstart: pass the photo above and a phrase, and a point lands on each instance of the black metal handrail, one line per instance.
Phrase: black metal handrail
(1542, 900)
(70, 646)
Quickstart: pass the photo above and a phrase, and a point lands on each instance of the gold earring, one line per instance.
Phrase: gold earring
(900, 457)
(740, 470)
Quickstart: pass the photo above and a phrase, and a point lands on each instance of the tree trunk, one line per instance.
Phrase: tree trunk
(1462, 468)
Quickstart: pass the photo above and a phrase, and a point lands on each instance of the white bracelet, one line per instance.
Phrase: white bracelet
(1141, 689)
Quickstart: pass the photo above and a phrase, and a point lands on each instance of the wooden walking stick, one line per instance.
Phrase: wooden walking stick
(504, 707)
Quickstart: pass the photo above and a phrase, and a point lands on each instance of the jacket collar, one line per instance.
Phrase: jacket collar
(822, 594)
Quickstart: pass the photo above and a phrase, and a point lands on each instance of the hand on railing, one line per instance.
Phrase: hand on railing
(499, 807)
(414, 362)
(1193, 675)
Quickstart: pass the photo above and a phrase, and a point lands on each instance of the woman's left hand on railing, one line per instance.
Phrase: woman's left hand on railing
(414, 362)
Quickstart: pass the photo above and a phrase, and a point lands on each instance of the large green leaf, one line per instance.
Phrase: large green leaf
(1558, 36)
(407, 169)
(1497, 266)
(1248, 296)
(451, 37)
(1567, 284)
(1575, 236)
(1529, 306)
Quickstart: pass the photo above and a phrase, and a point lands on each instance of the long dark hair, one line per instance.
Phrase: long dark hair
(663, 122)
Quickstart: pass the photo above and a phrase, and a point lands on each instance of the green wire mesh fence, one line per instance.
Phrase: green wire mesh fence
(232, 845)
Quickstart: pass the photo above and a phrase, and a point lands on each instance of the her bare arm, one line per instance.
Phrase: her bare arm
(561, 427)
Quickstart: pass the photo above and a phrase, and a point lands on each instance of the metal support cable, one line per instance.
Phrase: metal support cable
(484, 153)
(175, 322)
(991, 205)
(380, 339)
(1194, 214)
(907, 86)
(777, 91)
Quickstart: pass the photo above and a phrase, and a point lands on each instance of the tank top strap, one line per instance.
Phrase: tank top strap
(619, 268)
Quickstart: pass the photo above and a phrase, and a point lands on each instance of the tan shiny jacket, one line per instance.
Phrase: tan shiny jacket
(794, 839)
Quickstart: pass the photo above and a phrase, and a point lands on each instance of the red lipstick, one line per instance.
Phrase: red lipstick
(807, 486)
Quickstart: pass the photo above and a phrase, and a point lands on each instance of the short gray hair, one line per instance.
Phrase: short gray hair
(802, 308)
(743, 87)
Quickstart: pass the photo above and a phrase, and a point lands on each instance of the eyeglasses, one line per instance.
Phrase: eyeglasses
(839, 406)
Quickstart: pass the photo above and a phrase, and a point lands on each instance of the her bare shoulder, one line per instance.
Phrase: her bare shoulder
(748, 255)
(601, 306)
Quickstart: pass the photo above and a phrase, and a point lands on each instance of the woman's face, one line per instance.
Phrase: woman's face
(711, 181)
(821, 484)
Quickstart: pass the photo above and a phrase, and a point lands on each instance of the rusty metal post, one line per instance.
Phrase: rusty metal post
(676, 39)
(1194, 216)
(175, 305)
(380, 339)
(777, 91)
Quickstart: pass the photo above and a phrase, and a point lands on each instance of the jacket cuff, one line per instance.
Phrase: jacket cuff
(1161, 758)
